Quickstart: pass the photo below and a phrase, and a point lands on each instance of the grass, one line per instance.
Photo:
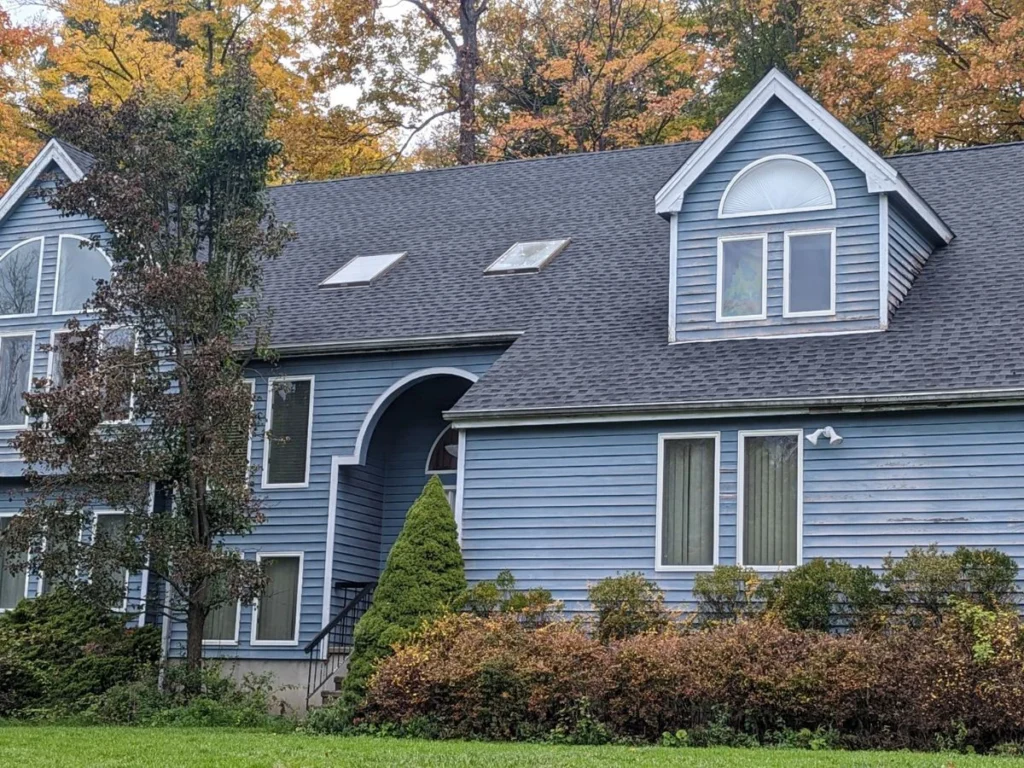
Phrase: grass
(56, 747)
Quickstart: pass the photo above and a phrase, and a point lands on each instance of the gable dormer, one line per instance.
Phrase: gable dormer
(785, 223)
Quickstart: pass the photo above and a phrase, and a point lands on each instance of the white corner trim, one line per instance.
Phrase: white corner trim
(880, 175)
(260, 556)
(660, 501)
(268, 427)
(332, 532)
(720, 279)
(786, 290)
(384, 400)
(673, 277)
(52, 152)
(883, 260)
(741, 451)
(767, 159)
(460, 484)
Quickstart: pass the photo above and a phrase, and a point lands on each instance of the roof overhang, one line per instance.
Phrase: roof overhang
(395, 344)
(881, 176)
(53, 152)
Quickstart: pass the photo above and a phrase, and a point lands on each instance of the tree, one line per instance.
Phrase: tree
(151, 395)
(18, 143)
(423, 574)
(582, 77)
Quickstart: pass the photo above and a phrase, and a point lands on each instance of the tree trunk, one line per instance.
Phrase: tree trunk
(195, 619)
(467, 61)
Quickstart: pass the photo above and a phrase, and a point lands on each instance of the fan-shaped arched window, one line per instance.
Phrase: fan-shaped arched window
(777, 184)
(79, 266)
(444, 453)
(19, 278)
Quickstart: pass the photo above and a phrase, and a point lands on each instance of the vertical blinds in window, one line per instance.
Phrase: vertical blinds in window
(770, 493)
(688, 502)
(280, 601)
(289, 432)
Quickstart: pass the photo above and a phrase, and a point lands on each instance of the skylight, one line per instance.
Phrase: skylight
(528, 257)
(362, 270)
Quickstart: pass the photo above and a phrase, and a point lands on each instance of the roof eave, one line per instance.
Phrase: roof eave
(52, 152)
(395, 344)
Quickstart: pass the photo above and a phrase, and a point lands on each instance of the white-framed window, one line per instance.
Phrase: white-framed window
(221, 627)
(443, 456)
(13, 586)
(769, 499)
(277, 612)
(79, 267)
(288, 440)
(17, 351)
(686, 528)
(61, 338)
(109, 523)
(363, 270)
(809, 269)
(527, 257)
(777, 184)
(742, 280)
(21, 276)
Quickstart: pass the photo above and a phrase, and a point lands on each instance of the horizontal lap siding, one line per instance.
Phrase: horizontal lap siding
(345, 387)
(908, 251)
(565, 506)
(777, 130)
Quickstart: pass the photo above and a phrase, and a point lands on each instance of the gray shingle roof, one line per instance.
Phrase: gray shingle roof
(79, 157)
(595, 319)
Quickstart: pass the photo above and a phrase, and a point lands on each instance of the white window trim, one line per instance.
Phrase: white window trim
(56, 274)
(663, 438)
(770, 158)
(39, 275)
(786, 311)
(268, 427)
(427, 470)
(719, 281)
(103, 332)
(260, 556)
(238, 624)
(28, 580)
(741, 450)
(96, 515)
(31, 370)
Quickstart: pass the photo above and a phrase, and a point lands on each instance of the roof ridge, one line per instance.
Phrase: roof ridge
(950, 150)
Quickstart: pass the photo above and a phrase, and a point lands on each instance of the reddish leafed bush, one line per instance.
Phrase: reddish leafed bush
(958, 683)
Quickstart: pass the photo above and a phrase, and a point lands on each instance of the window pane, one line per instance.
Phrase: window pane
(742, 278)
(19, 279)
(112, 527)
(810, 272)
(79, 266)
(61, 342)
(119, 338)
(780, 184)
(221, 621)
(289, 432)
(688, 502)
(279, 603)
(12, 586)
(770, 500)
(15, 357)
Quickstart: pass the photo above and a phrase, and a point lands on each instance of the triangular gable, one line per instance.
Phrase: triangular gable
(881, 177)
(53, 152)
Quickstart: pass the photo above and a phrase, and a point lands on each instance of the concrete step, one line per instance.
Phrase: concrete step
(339, 650)
(329, 697)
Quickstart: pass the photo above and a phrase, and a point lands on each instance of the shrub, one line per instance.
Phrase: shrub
(824, 595)
(72, 650)
(727, 593)
(490, 598)
(627, 605)
(423, 574)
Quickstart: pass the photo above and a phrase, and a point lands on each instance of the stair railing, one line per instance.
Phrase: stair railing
(331, 646)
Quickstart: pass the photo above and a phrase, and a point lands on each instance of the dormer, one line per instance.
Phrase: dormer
(784, 223)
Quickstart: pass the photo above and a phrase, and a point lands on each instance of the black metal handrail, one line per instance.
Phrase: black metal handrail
(328, 649)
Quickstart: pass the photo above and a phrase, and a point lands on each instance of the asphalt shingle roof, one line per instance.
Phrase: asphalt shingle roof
(595, 320)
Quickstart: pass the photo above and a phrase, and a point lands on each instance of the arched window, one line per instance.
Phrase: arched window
(19, 278)
(777, 184)
(79, 266)
(444, 453)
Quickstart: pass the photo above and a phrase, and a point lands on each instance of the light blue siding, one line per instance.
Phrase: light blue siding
(33, 217)
(565, 506)
(345, 388)
(777, 130)
(909, 249)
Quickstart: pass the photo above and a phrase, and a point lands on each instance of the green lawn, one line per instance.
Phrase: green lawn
(51, 747)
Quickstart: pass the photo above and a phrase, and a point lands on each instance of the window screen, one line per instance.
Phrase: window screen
(289, 432)
(810, 272)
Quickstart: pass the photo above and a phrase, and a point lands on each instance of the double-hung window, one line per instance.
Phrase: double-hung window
(221, 627)
(770, 498)
(15, 377)
(809, 263)
(687, 511)
(13, 586)
(109, 527)
(742, 292)
(277, 611)
(286, 447)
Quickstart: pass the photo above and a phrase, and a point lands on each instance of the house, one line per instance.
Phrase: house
(771, 346)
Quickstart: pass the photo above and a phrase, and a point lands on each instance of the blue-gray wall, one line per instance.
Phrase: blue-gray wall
(777, 130)
(909, 249)
(564, 506)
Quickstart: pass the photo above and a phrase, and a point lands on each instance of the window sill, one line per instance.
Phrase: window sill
(220, 643)
(684, 568)
(274, 643)
(284, 486)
